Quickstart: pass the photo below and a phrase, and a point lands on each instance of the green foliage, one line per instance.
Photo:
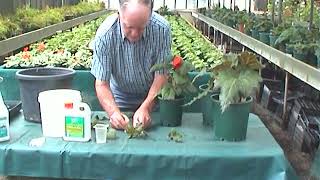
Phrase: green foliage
(297, 33)
(164, 11)
(28, 19)
(178, 82)
(175, 136)
(69, 49)
(303, 48)
(236, 77)
(263, 24)
(276, 31)
(190, 44)
(135, 132)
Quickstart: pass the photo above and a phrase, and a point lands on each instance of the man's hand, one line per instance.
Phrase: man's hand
(142, 115)
(118, 120)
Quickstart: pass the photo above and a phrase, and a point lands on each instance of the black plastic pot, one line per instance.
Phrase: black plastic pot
(35, 80)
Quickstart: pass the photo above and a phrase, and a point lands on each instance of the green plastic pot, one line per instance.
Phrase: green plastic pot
(300, 56)
(273, 39)
(255, 34)
(171, 112)
(196, 106)
(206, 106)
(289, 49)
(312, 59)
(232, 124)
(264, 37)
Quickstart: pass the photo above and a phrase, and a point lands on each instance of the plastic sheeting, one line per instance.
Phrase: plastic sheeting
(155, 157)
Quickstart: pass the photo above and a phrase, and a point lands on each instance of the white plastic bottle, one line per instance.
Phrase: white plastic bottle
(4, 121)
(77, 122)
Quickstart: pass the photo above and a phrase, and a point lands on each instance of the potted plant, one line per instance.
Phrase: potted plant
(264, 26)
(233, 79)
(242, 19)
(236, 77)
(301, 50)
(276, 31)
(171, 95)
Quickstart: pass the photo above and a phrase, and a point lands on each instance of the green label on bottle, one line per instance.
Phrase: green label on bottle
(3, 127)
(3, 131)
(74, 127)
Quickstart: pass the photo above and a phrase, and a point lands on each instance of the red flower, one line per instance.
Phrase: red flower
(25, 49)
(177, 62)
(26, 55)
(41, 47)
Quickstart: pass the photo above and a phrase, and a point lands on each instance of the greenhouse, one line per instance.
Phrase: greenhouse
(160, 89)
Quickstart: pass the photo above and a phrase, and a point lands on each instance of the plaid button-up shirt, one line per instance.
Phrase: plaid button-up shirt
(126, 65)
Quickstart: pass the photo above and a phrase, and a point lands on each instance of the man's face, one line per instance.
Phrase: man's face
(134, 18)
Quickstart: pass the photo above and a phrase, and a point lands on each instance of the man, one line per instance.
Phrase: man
(126, 46)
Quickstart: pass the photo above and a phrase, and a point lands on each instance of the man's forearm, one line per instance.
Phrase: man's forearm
(158, 82)
(105, 97)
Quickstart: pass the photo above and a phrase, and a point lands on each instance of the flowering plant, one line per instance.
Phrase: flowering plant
(38, 55)
(178, 83)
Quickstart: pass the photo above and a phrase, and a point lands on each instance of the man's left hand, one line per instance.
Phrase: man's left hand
(142, 115)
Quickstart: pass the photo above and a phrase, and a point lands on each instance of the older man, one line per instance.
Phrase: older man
(126, 45)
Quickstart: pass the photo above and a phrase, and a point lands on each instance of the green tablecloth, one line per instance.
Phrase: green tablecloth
(198, 157)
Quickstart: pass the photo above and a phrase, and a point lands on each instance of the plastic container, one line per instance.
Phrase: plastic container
(101, 133)
(52, 109)
(35, 80)
(4, 121)
(77, 122)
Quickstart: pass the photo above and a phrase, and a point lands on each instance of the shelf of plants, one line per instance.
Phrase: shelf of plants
(298, 68)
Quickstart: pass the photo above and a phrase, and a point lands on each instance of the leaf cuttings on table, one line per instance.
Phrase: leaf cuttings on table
(135, 132)
(111, 133)
(175, 136)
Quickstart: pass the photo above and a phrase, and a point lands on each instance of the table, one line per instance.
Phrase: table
(198, 157)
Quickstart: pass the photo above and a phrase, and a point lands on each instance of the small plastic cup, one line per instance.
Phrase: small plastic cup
(101, 133)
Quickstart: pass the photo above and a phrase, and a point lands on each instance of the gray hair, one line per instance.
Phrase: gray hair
(145, 2)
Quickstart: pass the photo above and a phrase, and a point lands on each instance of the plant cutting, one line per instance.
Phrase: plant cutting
(171, 95)
(175, 135)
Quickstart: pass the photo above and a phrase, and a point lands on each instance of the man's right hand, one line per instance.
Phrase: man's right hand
(118, 121)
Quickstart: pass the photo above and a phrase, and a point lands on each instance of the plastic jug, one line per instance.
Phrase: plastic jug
(52, 109)
(4, 121)
(77, 122)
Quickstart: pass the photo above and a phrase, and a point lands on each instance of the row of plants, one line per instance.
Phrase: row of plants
(190, 44)
(292, 35)
(70, 48)
(28, 19)
(65, 49)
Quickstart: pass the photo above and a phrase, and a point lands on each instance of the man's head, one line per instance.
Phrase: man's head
(134, 17)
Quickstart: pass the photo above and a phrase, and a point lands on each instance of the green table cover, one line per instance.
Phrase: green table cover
(198, 157)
